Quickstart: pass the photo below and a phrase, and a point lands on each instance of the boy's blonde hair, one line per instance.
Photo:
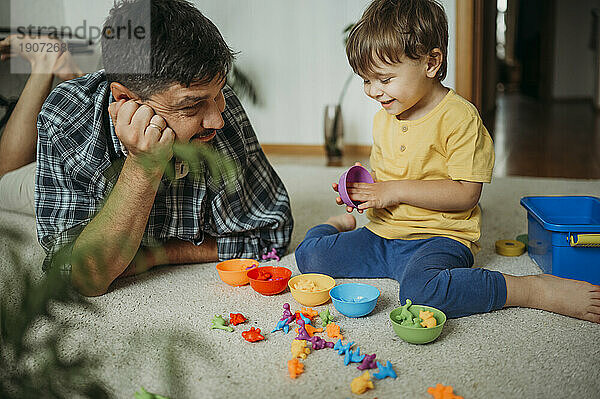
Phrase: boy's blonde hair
(389, 29)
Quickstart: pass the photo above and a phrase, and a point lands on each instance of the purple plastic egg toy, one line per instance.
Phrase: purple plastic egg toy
(356, 174)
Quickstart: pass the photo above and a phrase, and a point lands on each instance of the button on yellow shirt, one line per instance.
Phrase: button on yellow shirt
(450, 142)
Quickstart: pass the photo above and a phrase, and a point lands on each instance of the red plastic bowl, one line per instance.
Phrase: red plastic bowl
(279, 278)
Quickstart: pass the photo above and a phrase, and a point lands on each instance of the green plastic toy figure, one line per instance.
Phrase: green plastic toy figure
(406, 318)
(219, 322)
(325, 317)
(147, 395)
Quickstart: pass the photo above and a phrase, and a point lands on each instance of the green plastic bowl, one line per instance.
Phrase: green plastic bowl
(414, 335)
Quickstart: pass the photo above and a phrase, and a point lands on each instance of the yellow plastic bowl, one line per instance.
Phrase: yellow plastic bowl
(322, 282)
(234, 271)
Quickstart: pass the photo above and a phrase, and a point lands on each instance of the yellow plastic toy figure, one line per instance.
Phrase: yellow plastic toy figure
(299, 348)
(333, 331)
(295, 367)
(310, 330)
(428, 319)
(442, 392)
(361, 384)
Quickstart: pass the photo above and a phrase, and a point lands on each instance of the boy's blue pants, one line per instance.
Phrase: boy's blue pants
(435, 271)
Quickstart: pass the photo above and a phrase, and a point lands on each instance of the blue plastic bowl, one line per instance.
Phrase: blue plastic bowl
(354, 299)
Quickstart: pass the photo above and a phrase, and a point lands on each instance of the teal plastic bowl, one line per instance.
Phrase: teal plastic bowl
(354, 299)
(415, 335)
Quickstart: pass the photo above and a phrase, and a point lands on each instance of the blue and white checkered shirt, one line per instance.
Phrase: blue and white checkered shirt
(77, 146)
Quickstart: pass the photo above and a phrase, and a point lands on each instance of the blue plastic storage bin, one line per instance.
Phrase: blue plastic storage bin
(564, 235)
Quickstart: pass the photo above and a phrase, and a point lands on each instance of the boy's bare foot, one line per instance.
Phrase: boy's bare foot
(568, 297)
(345, 222)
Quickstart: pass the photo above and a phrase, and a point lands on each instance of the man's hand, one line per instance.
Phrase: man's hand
(144, 134)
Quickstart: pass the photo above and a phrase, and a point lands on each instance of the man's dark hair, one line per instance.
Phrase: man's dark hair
(185, 47)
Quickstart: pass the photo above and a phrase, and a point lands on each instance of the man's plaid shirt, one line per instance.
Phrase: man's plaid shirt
(77, 145)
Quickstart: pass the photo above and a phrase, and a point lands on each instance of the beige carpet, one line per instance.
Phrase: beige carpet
(513, 353)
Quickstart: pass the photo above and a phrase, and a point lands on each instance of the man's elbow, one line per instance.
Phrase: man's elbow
(87, 281)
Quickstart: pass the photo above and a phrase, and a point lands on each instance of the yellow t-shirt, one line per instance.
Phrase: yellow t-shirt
(450, 142)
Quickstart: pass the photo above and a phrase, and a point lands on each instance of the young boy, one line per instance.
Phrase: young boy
(430, 156)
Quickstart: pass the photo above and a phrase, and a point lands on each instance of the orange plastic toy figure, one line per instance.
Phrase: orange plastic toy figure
(361, 384)
(295, 367)
(428, 319)
(310, 330)
(299, 348)
(309, 312)
(252, 335)
(262, 275)
(333, 331)
(236, 318)
(442, 392)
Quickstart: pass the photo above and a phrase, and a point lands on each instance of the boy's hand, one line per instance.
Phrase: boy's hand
(145, 135)
(338, 199)
(376, 195)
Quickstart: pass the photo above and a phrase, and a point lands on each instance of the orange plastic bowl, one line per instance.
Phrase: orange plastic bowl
(279, 277)
(234, 271)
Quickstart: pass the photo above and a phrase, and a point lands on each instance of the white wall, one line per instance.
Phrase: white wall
(294, 53)
(573, 59)
(292, 50)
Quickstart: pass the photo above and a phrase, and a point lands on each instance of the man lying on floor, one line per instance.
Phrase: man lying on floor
(103, 200)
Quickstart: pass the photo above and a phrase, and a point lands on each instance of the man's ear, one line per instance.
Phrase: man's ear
(435, 58)
(121, 92)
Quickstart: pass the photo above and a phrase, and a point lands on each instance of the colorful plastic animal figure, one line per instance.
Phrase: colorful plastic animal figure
(286, 311)
(309, 312)
(353, 357)
(219, 322)
(325, 317)
(442, 392)
(368, 362)
(361, 384)
(428, 320)
(264, 276)
(320, 343)
(295, 367)
(299, 316)
(299, 349)
(252, 335)
(272, 254)
(287, 314)
(406, 318)
(341, 348)
(310, 330)
(283, 326)
(333, 330)
(302, 333)
(385, 371)
(143, 394)
(251, 266)
(236, 318)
